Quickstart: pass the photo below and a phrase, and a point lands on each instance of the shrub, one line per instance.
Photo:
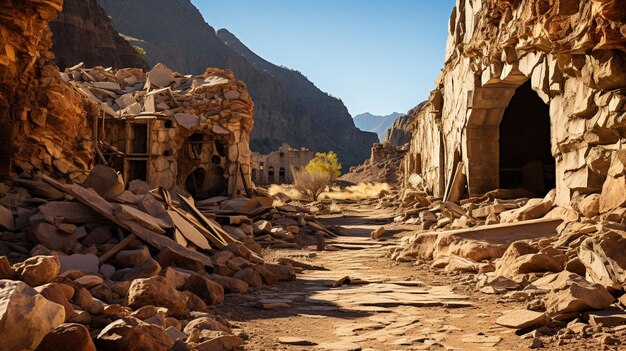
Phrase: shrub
(311, 183)
(139, 50)
(325, 163)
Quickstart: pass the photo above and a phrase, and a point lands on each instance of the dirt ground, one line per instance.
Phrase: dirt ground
(398, 306)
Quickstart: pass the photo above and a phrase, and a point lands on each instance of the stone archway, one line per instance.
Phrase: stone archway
(489, 142)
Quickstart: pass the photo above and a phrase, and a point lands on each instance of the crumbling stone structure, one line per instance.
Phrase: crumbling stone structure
(189, 133)
(532, 95)
(276, 167)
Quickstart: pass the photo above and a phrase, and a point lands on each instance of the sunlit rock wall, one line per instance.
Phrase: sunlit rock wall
(43, 121)
(573, 55)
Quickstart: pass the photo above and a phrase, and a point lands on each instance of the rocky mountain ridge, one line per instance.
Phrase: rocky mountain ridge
(374, 123)
(307, 116)
(82, 32)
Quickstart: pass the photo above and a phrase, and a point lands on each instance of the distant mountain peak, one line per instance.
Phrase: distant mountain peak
(374, 123)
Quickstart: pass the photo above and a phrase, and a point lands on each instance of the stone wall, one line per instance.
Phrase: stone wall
(572, 54)
(276, 167)
(43, 121)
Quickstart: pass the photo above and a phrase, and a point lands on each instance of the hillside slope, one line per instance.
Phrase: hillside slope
(82, 32)
(288, 108)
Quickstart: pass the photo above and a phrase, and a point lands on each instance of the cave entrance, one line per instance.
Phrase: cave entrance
(524, 147)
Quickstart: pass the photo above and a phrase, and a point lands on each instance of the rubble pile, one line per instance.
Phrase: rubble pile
(190, 132)
(566, 263)
(383, 166)
(136, 269)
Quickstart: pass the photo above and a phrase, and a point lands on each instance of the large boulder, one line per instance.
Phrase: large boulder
(132, 334)
(604, 257)
(68, 337)
(209, 291)
(58, 293)
(39, 270)
(522, 258)
(25, 316)
(570, 292)
(157, 291)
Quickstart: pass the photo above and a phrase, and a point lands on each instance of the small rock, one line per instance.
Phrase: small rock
(132, 334)
(378, 233)
(68, 337)
(39, 270)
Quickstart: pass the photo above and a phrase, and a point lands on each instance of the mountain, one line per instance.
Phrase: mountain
(377, 124)
(82, 32)
(401, 131)
(288, 108)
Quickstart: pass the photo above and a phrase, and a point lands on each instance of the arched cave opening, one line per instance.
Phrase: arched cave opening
(524, 147)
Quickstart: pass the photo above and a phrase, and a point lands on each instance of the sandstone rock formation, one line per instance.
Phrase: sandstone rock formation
(383, 166)
(82, 32)
(401, 131)
(307, 116)
(531, 95)
(43, 121)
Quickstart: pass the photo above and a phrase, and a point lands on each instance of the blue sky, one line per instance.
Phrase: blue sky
(378, 56)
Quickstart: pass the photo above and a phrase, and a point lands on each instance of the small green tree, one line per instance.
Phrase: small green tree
(325, 163)
(139, 50)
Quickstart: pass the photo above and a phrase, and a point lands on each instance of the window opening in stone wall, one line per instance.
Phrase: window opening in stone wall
(525, 154)
(139, 138)
(281, 175)
(270, 175)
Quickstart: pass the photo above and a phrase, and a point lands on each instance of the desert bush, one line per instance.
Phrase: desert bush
(325, 163)
(311, 183)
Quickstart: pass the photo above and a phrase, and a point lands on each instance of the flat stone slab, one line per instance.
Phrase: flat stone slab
(289, 340)
(520, 319)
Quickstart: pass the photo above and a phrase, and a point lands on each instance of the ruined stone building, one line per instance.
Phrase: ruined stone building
(181, 132)
(531, 95)
(276, 167)
(173, 131)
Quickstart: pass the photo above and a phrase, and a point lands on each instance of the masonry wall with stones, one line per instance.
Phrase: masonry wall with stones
(171, 130)
(44, 123)
(276, 167)
(531, 95)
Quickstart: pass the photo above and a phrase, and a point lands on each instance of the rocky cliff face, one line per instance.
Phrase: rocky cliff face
(400, 131)
(43, 121)
(83, 33)
(288, 107)
(508, 62)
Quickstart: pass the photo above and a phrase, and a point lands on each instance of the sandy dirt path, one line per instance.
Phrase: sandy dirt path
(403, 306)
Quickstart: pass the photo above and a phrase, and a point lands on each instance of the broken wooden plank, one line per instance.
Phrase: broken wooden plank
(456, 188)
(93, 200)
(117, 248)
(189, 231)
(220, 234)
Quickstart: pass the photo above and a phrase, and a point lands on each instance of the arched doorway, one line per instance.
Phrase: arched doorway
(508, 139)
(281, 175)
(524, 147)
